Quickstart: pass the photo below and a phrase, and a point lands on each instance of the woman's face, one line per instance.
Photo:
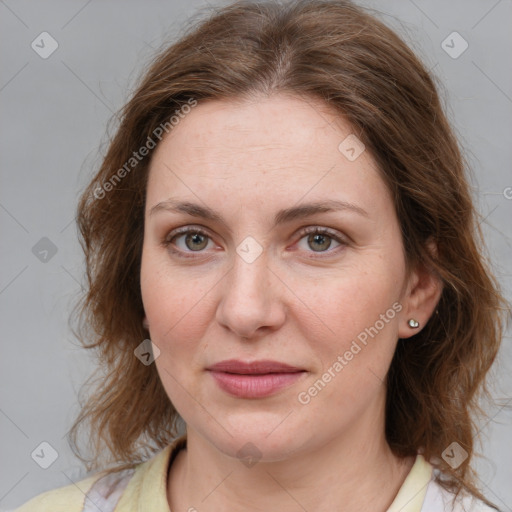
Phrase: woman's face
(253, 285)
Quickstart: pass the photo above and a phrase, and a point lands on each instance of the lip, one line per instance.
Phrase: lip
(255, 367)
(256, 379)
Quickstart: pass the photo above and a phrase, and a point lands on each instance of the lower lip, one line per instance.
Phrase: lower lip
(254, 386)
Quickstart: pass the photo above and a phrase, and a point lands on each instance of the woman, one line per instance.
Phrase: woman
(284, 213)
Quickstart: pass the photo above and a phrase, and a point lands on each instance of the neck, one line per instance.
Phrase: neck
(356, 469)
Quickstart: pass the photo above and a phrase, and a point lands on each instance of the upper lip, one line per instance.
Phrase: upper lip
(254, 367)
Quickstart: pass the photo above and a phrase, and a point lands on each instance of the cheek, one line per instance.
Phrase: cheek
(177, 304)
(346, 305)
(355, 340)
(176, 309)
(351, 361)
(167, 295)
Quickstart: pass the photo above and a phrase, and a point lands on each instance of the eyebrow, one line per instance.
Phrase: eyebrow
(282, 216)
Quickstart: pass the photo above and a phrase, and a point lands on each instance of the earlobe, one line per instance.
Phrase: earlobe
(145, 323)
(422, 296)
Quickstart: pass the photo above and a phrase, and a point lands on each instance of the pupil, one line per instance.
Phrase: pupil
(318, 238)
(196, 237)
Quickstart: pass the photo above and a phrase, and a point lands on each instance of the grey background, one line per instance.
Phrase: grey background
(54, 117)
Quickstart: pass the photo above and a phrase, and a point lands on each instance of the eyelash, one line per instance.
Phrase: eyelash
(167, 242)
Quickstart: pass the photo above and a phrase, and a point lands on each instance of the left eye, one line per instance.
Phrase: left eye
(320, 239)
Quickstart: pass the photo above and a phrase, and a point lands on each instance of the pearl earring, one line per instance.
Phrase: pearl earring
(413, 324)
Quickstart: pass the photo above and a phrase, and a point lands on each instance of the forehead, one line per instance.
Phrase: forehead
(266, 126)
(267, 148)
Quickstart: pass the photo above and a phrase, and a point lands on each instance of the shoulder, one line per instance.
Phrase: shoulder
(438, 499)
(69, 498)
(99, 490)
(142, 484)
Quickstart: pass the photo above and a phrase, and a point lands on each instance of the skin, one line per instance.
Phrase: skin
(300, 302)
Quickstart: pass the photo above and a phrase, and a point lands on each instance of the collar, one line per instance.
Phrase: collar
(147, 489)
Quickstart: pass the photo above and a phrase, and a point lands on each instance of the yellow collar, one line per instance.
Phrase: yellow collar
(147, 489)
(411, 495)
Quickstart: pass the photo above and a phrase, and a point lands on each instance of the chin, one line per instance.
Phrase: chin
(255, 437)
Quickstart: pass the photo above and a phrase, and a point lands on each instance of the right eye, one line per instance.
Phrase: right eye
(192, 240)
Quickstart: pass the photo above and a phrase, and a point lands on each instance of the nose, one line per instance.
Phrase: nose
(251, 303)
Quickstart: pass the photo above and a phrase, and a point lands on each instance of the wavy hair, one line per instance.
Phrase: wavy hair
(335, 51)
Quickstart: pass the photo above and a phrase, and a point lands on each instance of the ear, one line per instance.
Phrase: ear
(145, 323)
(423, 291)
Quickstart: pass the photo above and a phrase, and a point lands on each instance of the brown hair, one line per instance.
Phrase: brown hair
(334, 51)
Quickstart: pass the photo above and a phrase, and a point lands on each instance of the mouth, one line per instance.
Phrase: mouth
(257, 379)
